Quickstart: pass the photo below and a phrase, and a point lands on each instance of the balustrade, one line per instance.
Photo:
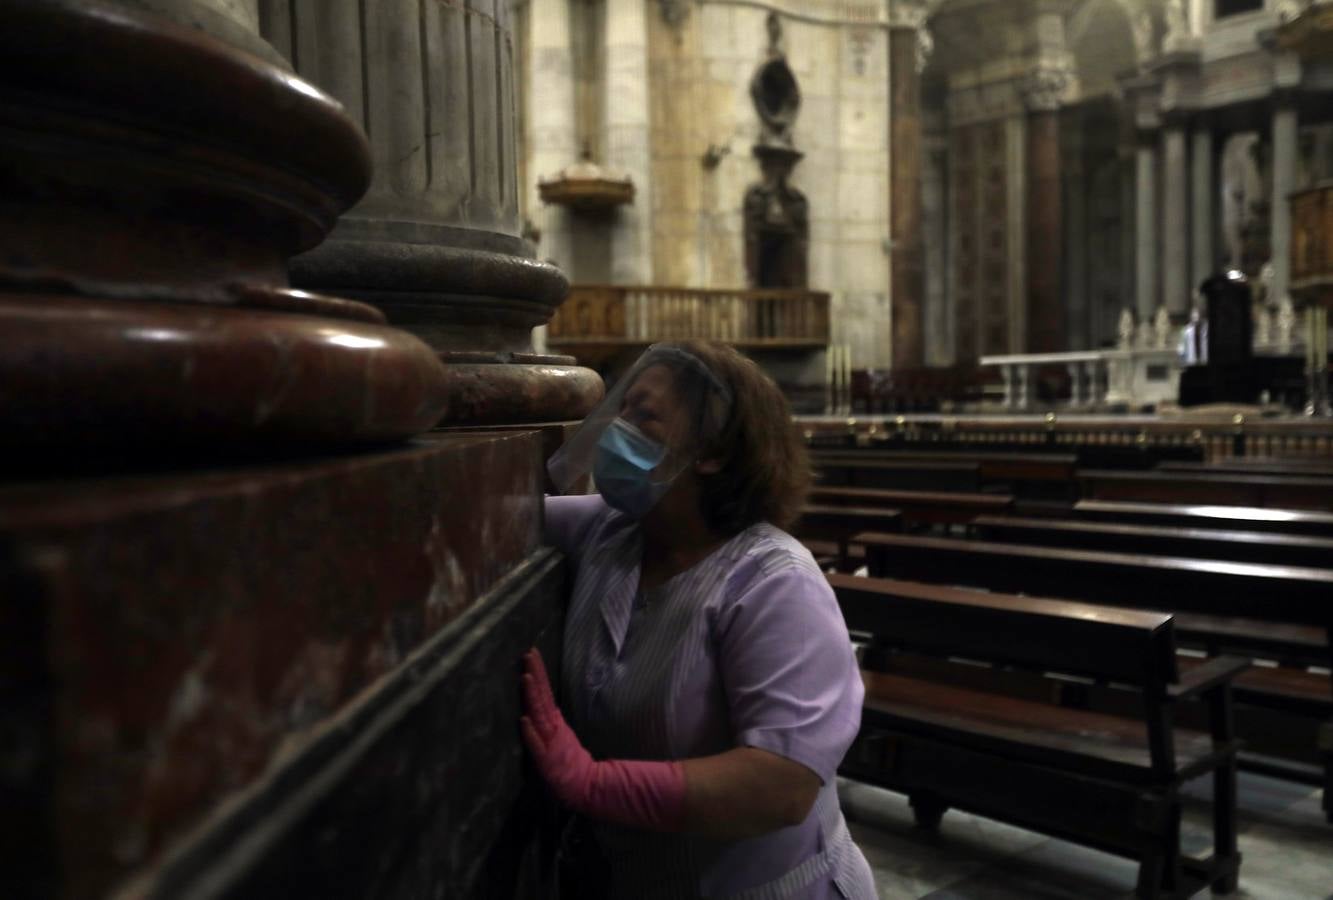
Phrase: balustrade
(619, 315)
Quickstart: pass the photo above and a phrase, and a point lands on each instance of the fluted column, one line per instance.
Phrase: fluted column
(1175, 218)
(436, 243)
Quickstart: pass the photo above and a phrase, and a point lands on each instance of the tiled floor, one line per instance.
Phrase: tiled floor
(1286, 846)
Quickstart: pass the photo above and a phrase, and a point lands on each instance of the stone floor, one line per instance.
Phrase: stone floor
(1286, 846)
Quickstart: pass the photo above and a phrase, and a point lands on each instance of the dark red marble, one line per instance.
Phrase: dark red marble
(1045, 236)
(154, 181)
(909, 279)
(171, 638)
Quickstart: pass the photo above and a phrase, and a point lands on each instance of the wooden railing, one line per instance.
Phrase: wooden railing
(1215, 437)
(609, 315)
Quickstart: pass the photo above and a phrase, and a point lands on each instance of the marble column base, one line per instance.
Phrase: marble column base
(188, 657)
(155, 182)
(474, 299)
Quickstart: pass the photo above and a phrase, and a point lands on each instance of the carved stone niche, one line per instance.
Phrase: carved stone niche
(155, 181)
(776, 215)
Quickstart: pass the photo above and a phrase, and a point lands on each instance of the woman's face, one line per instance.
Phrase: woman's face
(653, 406)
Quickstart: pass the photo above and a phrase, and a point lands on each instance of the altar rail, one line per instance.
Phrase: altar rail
(620, 315)
(1218, 439)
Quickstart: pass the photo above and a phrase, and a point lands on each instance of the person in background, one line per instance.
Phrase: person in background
(710, 689)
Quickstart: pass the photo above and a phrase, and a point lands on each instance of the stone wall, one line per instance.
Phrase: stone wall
(699, 74)
(677, 86)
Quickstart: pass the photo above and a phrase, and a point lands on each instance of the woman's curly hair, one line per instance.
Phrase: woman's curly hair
(765, 474)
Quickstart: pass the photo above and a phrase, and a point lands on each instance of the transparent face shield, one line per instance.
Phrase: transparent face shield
(653, 423)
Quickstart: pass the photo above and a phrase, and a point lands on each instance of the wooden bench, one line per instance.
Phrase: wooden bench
(1275, 613)
(1225, 488)
(1201, 543)
(917, 507)
(835, 525)
(1246, 518)
(1111, 782)
(898, 474)
(994, 467)
(1257, 465)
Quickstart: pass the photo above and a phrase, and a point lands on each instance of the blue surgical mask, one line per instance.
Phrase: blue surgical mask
(626, 458)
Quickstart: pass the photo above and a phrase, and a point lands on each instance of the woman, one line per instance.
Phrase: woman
(708, 676)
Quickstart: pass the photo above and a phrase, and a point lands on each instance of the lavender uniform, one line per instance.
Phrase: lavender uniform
(745, 649)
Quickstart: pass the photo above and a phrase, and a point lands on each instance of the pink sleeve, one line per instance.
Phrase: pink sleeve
(569, 522)
(790, 672)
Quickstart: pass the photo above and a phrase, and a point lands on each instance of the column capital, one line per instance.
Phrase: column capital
(1045, 89)
(910, 14)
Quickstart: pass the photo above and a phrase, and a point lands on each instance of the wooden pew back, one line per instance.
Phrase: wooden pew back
(1199, 543)
(1121, 645)
(1247, 518)
(1271, 593)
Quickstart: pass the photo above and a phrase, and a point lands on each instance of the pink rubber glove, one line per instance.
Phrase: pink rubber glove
(639, 794)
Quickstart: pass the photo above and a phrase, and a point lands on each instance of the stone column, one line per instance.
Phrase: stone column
(1175, 218)
(907, 273)
(627, 138)
(1203, 226)
(1045, 313)
(1286, 125)
(436, 242)
(1145, 227)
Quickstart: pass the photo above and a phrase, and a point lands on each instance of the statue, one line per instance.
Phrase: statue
(1286, 324)
(1263, 326)
(1146, 337)
(776, 215)
(1178, 35)
(1161, 327)
(777, 228)
(1125, 330)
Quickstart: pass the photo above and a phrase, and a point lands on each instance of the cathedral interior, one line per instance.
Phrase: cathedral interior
(311, 307)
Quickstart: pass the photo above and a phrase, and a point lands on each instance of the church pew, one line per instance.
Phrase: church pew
(1281, 613)
(1223, 488)
(1184, 515)
(1107, 781)
(834, 525)
(898, 474)
(1199, 543)
(917, 507)
(993, 467)
(1317, 467)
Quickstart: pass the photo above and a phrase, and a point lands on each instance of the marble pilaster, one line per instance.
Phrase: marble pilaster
(1203, 226)
(935, 219)
(550, 109)
(905, 205)
(1286, 125)
(1016, 179)
(1145, 228)
(1045, 312)
(1175, 218)
(1078, 307)
(627, 138)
